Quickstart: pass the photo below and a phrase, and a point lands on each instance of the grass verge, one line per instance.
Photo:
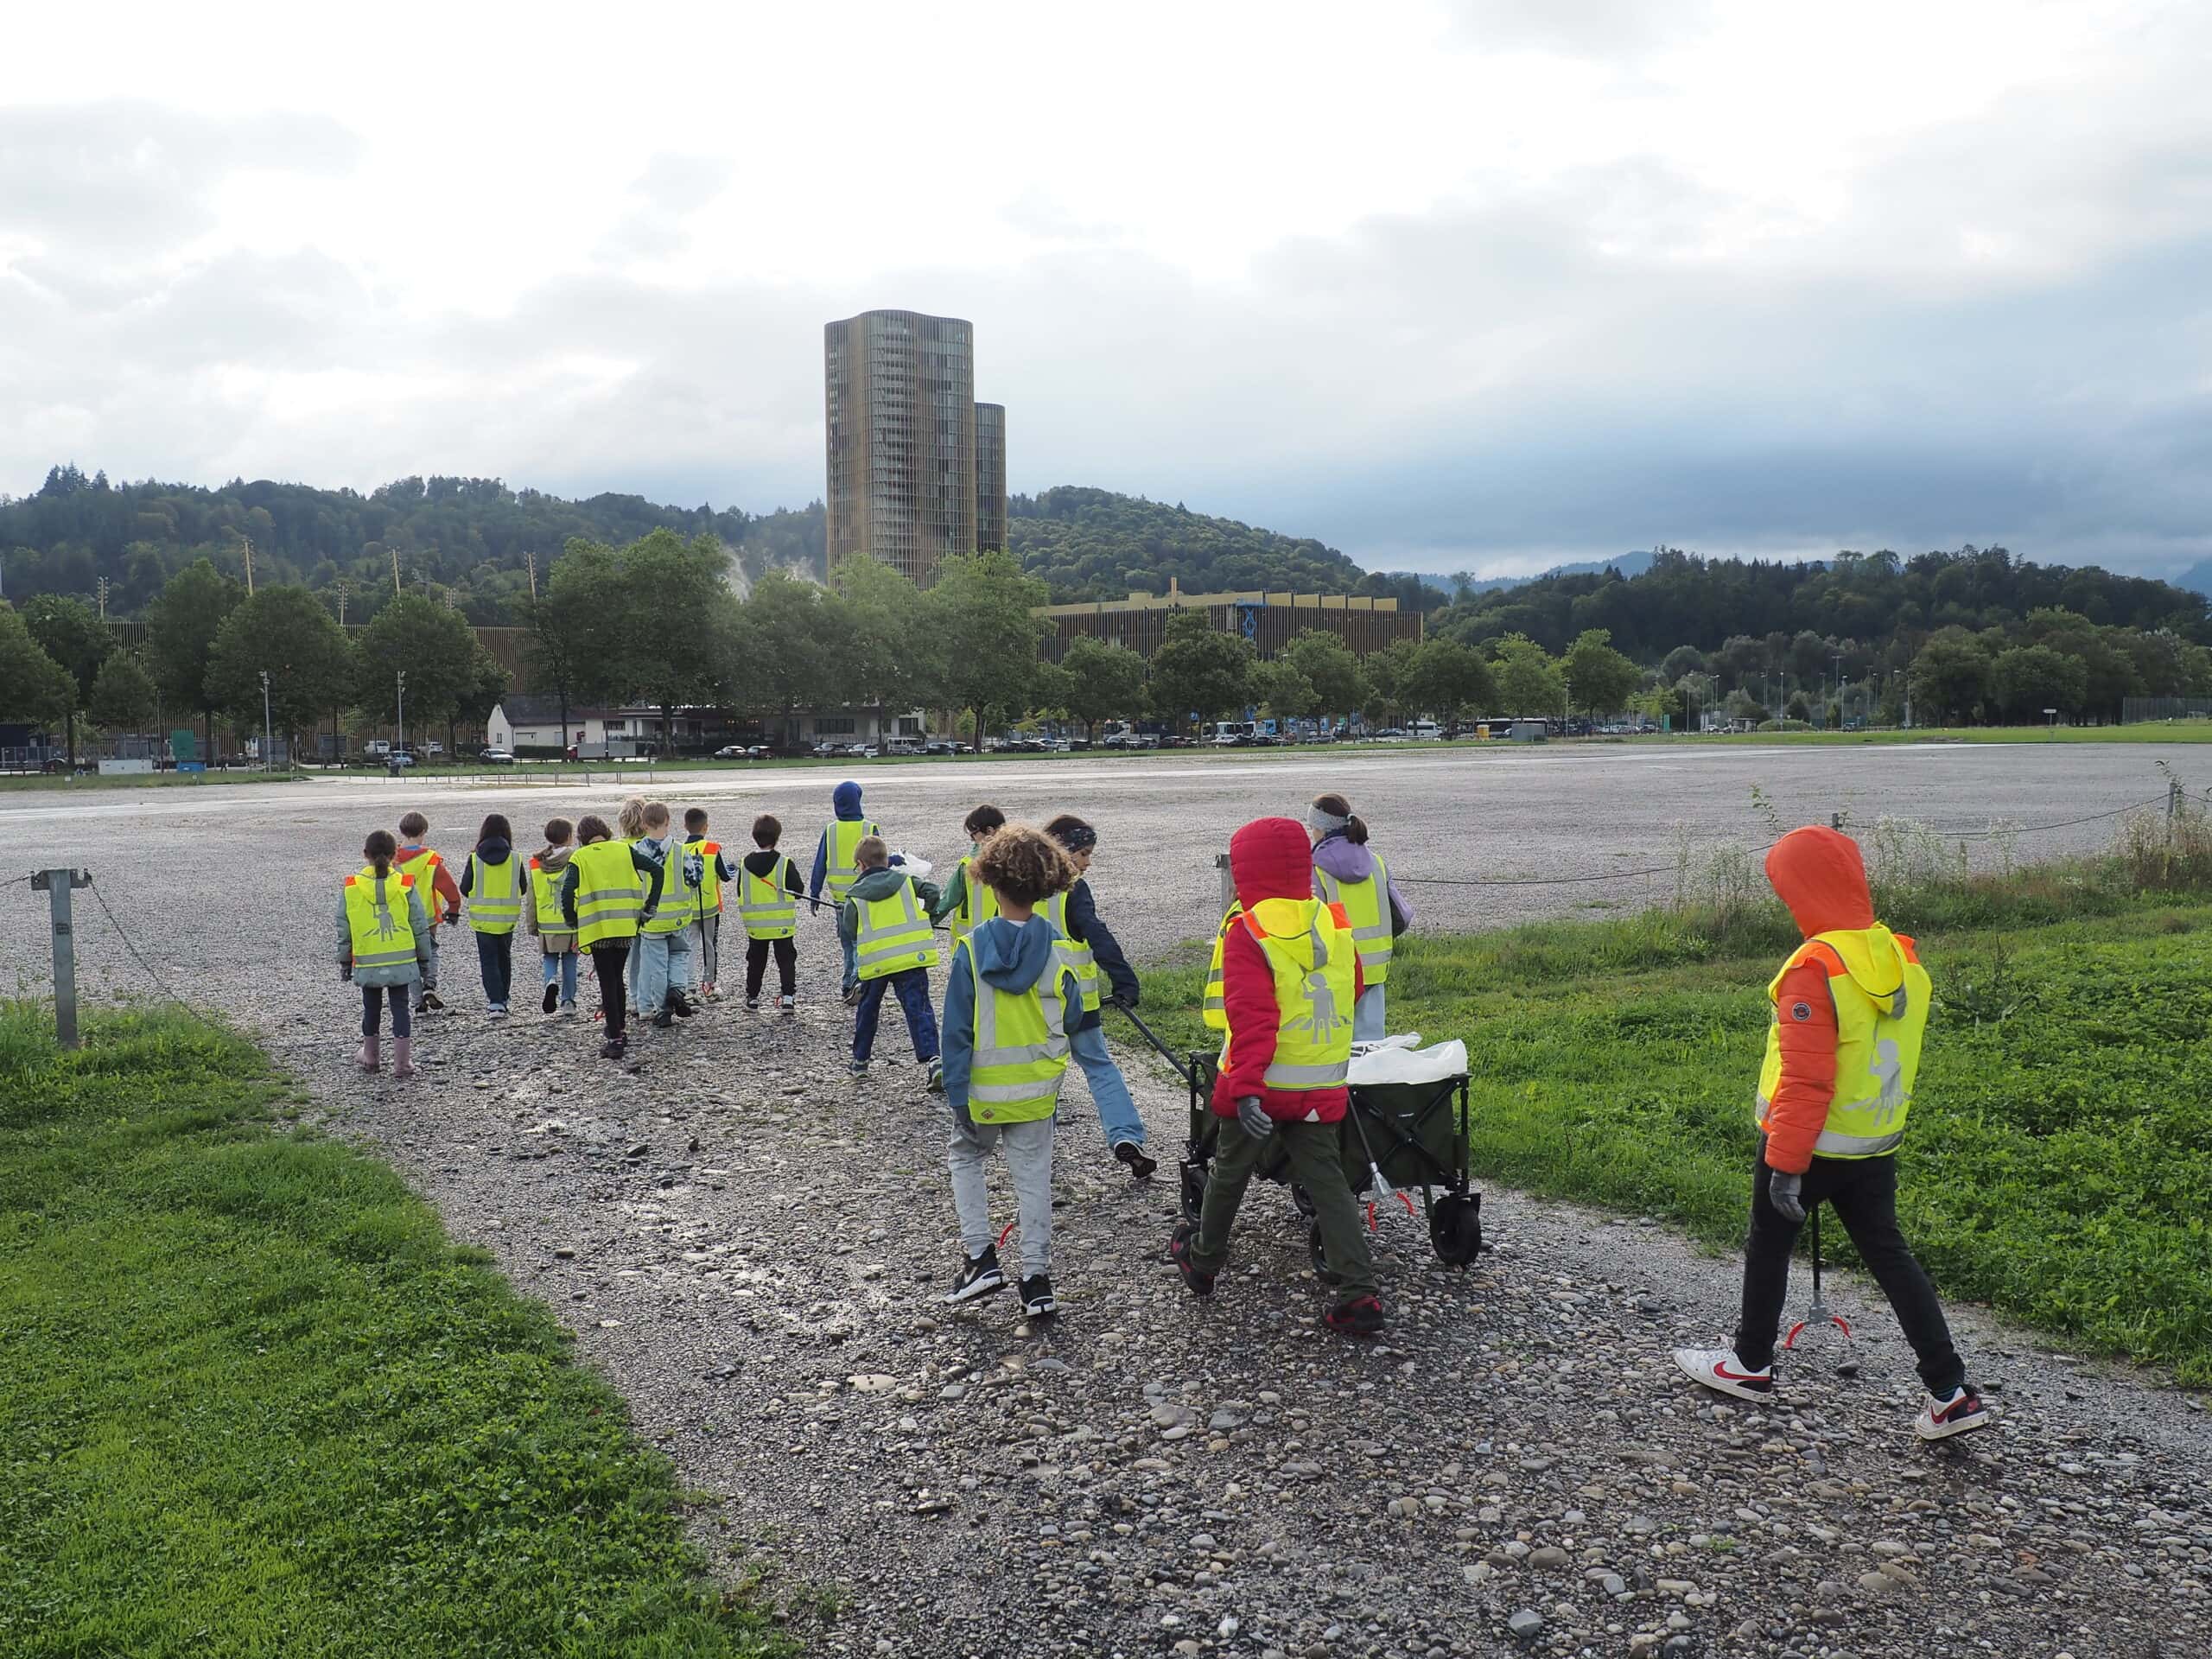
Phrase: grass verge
(257, 1402)
(2059, 1164)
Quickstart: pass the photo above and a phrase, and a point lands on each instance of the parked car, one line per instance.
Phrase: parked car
(733, 751)
(498, 757)
(946, 746)
(830, 751)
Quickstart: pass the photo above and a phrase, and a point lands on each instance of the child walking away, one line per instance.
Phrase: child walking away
(541, 916)
(1087, 948)
(630, 830)
(1008, 1005)
(1348, 873)
(836, 865)
(1290, 975)
(715, 871)
(493, 887)
(1850, 1009)
(384, 947)
(768, 893)
(966, 902)
(665, 939)
(609, 890)
(441, 898)
(886, 928)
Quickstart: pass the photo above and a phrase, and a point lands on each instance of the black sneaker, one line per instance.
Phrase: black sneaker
(1141, 1167)
(663, 1021)
(1178, 1251)
(429, 1002)
(1357, 1316)
(552, 998)
(682, 1007)
(979, 1277)
(612, 1049)
(1037, 1296)
(753, 1003)
(852, 996)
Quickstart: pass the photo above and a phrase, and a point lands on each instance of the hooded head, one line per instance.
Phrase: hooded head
(1270, 858)
(847, 799)
(1819, 873)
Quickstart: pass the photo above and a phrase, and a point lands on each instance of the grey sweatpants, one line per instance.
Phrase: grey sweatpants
(1028, 1149)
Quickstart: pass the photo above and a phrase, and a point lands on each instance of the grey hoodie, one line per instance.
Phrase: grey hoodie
(398, 972)
(1012, 956)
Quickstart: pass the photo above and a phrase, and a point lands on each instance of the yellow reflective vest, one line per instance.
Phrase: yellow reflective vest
(495, 896)
(1072, 953)
(894, 935)
(1366, 905)
(841, 862)
(678, 897)
(1214, 1009)
(610, 892)
(1882, 994)
(382, 931)
(709, 899)
(422, 868)
(545, 898)
(978, 904)
(766, 904)
(1309, 950)
(1021, 1045)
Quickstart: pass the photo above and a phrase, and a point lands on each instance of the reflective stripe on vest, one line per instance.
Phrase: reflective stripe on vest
(423, 868)
(545, 896)
(610, 892)
(381, 932)
(1878, 1037)
(978, 904)
(1077, 956)
(766, 904)
(1021, 1049)
(1313, 972)
(1214, 1009)
(1366, 905)
(495, 906)
(841, 862)
(709, 901)
(894, 935)
(672, 914)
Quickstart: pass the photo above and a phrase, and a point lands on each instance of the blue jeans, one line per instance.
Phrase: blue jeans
(1367, 1015)
(663, 960)
(913, 988)
(495, 957)
(1117, 1112)
(564, 967)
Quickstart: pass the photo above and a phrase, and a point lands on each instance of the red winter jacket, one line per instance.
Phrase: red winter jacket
(1819, 874)
(1268, 858)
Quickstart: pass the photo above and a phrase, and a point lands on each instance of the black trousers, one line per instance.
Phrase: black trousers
(608, 959)
(1863, 1192)
(756, 966)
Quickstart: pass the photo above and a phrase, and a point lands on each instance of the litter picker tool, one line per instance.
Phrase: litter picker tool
(1165, 1053)
(1818, 1313)
(1384, 1191)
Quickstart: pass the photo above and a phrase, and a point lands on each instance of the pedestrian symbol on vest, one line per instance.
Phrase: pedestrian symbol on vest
(1321, 1017)
(1888, 1066)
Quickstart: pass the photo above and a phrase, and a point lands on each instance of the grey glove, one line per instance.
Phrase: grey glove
(963, 1122)
(1783, 1193)
(1254, 1118)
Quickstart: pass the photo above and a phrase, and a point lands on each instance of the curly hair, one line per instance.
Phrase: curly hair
(1023, 864)
(630, 817)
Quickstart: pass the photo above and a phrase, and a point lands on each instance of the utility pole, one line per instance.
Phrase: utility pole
(57, 885)
(268, 742)
(345, 591)
(401, 742)
(103, 594)
(395, 572)
(530, 563)
(248, 540)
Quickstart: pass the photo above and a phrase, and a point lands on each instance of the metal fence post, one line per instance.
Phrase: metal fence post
(1228, 883)
(57, 886)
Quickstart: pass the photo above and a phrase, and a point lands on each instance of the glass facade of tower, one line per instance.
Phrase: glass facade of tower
(900, 393)
(990, 476)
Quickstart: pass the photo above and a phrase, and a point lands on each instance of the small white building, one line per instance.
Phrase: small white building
(524, 723)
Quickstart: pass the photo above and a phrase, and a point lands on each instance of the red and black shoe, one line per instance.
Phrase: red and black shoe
(1720, 1370)
(1940, 1419)
(1358, 1316)
(1178, 1251)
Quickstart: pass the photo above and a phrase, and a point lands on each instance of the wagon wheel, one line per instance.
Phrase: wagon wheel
(1455, 1228)
(1302, 1201)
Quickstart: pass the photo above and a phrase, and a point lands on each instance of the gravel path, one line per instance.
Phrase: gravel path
(752, 1247)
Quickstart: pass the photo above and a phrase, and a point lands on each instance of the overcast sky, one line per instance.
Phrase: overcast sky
(1451, 286)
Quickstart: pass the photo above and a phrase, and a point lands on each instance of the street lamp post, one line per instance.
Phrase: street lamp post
(1567, 719)
(268, 746)
(400, 742)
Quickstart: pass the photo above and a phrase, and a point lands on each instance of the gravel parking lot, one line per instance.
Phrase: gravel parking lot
(752, 1246)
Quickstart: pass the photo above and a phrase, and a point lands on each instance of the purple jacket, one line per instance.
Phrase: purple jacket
(1348, 861)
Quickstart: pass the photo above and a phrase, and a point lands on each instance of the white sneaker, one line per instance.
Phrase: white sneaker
(1720, 1370)
(1940, 1419)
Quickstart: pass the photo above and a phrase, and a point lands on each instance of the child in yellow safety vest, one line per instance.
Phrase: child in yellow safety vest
(1349, 873)
(884, 923)
(1009, 1003)
(715, 873)
(768, 890)
(663, 948)
(441, 898)
(609, 890)
(836, 865)
(964, 902)
(384, 947)
(1842, 1051)
(492, 881)
(541, 917)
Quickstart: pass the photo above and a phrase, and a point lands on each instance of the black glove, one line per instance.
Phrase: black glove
(963, 1122)
(1122, 1000)
(345, 972)
(1254, 1118)
(452, 918)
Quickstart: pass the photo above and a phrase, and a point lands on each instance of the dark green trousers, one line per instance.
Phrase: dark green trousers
(1316, 1166)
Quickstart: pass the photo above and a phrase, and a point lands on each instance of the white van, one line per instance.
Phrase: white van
(1424, 730)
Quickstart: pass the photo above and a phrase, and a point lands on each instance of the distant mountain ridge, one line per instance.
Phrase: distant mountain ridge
(2197, 578)
(1629, 564)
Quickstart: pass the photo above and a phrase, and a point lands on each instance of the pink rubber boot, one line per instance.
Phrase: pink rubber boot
(366, 1057)
(402, 1057)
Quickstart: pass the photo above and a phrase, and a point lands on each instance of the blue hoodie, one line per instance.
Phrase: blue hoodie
(846, 798)
(1012, 956)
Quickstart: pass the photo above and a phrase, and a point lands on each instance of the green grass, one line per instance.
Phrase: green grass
(2179, 731)
(2059, 1161)
(257, 1403)
(18, 781)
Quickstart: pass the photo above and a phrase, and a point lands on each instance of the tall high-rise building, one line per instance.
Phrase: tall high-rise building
(990, 476)
(901, 406)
